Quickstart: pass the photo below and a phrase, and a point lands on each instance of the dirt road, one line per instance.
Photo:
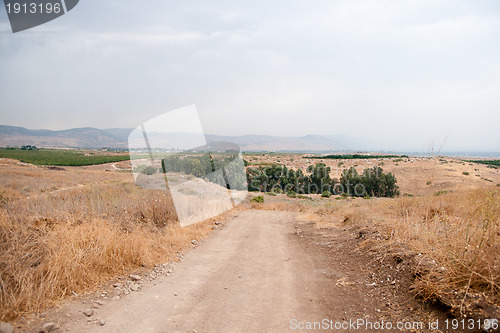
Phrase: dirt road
(249, 277)
(264, 271)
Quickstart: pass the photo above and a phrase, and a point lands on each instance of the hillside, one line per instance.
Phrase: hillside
(276, 143)
(89, 137)
(86, 137)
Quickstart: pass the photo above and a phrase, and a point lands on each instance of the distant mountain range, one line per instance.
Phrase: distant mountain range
(88, 137)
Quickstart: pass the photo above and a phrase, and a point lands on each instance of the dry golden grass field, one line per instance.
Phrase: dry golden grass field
(70, 229)
(454, 237)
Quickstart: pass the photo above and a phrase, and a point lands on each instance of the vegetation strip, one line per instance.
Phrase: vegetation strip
(490, 163)
(354, 157)
(280, 179)
(62, 157)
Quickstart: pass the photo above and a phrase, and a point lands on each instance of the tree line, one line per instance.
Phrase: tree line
(317, 180)
(226, 170)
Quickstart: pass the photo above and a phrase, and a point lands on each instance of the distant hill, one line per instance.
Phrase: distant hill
(119, 133)
(276, 143)
(86, 137)
(89, 137)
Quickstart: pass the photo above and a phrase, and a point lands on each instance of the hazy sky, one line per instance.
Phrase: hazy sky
(404, 73)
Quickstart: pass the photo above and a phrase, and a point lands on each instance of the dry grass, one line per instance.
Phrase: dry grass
(63, 231)
(77, 238)
(271, 206)
(278, 203)
(461, 232)
(20, 180)
(456, 235)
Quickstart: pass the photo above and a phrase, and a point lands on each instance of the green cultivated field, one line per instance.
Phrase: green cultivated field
(63, 157)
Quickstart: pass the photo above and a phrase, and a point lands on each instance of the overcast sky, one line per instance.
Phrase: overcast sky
(406, 74)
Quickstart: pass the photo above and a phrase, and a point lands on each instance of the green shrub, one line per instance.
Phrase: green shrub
(429, 182)
(189, 191)
(465, 173)
(277, 190)
(271, 193)
(440, 192)
(291, 194)
(326, 194)
(148, 170)
(172, 179)
(259, 198)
